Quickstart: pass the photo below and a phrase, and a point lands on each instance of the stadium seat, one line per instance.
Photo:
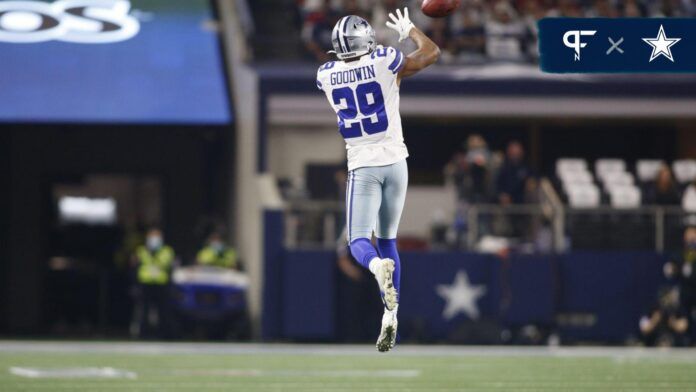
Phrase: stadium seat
(626, 196)
(614, 179)
(580, 177)
(583, 196)
(605, 166)
(684, 170)
(689, 199)
(570, 165)
(647, 169)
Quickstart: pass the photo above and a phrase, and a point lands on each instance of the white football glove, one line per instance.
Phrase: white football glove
(401, 23)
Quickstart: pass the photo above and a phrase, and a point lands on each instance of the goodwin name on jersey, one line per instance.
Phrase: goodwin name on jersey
(365, 96)
(353, 75)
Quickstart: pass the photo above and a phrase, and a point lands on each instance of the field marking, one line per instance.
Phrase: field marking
(78, 372)
(382, 373)
(147, 348)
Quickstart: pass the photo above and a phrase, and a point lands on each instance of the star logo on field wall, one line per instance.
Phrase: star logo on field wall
(460, 297)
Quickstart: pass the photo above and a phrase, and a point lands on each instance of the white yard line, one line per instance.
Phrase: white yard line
(149, 348)
(364, 373)
(83, 372)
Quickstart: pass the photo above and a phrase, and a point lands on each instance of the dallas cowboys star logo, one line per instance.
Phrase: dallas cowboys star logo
(460, 297)
(661, 45)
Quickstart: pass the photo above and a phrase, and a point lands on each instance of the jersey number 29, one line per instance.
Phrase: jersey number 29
(370, 101)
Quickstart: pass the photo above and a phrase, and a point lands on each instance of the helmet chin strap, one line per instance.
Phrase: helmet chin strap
(354, 55)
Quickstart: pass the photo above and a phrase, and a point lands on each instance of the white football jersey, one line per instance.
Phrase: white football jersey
(365, 96)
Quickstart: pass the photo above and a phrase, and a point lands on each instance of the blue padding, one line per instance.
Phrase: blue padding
(423, 272)
(614, 287)
(530, 295)
(308, 295)
(274, 253)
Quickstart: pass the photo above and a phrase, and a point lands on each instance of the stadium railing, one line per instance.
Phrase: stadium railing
(532, 228)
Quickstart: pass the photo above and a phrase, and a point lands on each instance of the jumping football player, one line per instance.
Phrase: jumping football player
(363, 89)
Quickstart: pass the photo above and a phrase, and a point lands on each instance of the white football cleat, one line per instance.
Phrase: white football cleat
(387, 335)
(384, 273)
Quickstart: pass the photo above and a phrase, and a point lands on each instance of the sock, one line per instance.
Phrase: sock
(373, 265)
(363, 251)
(387, 250)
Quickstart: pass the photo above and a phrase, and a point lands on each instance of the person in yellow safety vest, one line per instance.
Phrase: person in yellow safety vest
(154, 262)
(217, 254)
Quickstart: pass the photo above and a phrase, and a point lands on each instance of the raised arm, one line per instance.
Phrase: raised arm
(427, 53)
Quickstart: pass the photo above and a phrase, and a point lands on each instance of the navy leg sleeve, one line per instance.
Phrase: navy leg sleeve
(363, 251)
(387, 250)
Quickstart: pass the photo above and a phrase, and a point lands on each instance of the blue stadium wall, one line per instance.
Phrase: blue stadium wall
(582, 296)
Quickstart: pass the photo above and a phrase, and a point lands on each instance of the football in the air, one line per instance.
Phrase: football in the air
(439, 8)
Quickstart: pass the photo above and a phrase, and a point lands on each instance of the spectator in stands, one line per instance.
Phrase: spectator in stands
(603, 9)
(470, 171)
(668, 8)
(664, 191)
(633, 9)
(505, 33)
(439, 32)
(469, 39)
(666, 324)
(316, 32)
(385, 36)
(355, 7)
(456, 171)
(153, 262)
(216, 253)
(503, 29)
(309, 6)
(511, 183)
(568, 9)
(532, 11)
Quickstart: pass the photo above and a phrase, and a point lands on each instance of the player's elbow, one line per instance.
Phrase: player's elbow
(434, 55)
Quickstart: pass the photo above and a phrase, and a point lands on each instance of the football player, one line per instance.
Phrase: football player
(363, 89)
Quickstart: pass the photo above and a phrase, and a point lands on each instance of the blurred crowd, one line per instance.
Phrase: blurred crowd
(484, 176)
(665, 190)
(479, 31)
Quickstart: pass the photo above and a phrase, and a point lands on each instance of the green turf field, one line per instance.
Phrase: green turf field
(192, 367)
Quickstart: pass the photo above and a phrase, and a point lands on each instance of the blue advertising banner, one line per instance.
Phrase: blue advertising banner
(618, 45)
(111, 61)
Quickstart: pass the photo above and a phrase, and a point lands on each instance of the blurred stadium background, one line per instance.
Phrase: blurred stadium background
(547, 210)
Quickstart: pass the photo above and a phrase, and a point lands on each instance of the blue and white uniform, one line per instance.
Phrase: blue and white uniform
(365, 96)
(363, 90)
